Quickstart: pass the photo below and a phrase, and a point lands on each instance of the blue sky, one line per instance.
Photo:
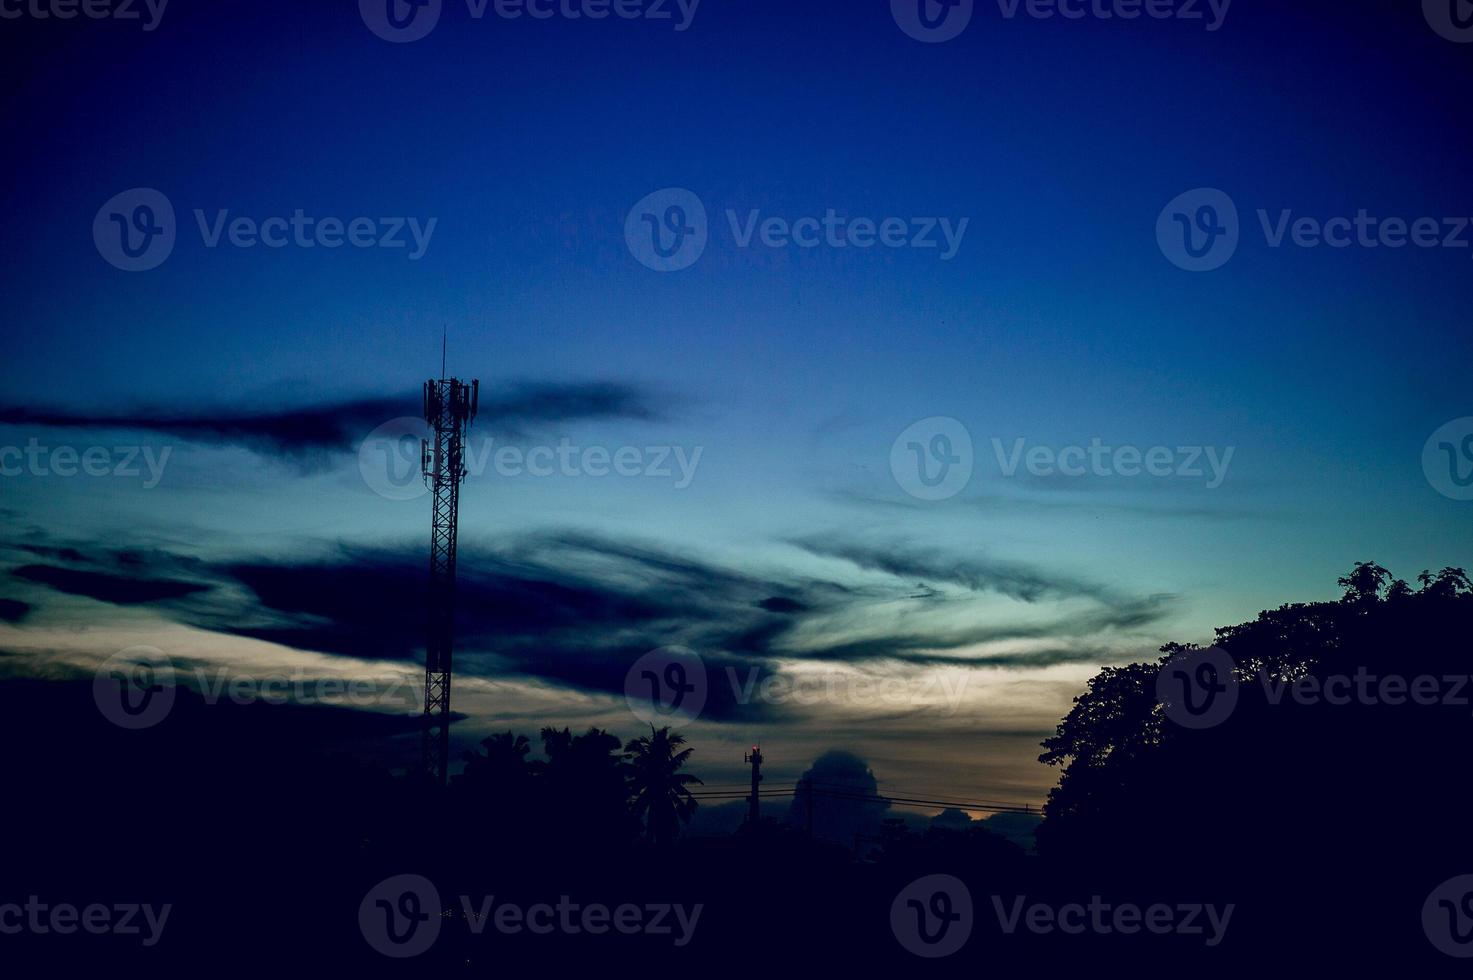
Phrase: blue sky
(1058, 321)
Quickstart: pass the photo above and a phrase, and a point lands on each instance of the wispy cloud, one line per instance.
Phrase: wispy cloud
(576, 610)
(338, 426)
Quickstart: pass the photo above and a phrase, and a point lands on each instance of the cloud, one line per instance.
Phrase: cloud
(1012, 579)
(338, 426)
(1033, 499)
(13, 610)
(576, 610)
(781, 604)
(122, 590)
(836, 777)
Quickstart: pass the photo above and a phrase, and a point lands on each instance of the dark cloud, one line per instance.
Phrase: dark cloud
(572, 609)
(578, 609)
(782, 604)
(13, 610)
(123, 590)
(338, 426)
(57, 554)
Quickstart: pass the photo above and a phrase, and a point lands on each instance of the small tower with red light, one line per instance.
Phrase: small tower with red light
(754, 758)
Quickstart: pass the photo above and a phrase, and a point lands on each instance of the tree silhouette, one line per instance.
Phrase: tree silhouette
(581, 786)
(504, 761)
(1364, 582)
(1340, 707)
(661, 795)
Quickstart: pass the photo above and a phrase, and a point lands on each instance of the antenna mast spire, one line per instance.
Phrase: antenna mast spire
(449, 407)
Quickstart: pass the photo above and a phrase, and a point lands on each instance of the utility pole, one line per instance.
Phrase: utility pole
(449, 407)
(754, 758)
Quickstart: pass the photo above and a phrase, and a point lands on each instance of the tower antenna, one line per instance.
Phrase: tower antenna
(449, 407)
(754, 759)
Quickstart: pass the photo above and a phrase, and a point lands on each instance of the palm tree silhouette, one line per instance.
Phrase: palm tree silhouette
(659, 789)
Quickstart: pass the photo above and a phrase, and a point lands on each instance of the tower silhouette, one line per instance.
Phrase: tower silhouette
(449, 407)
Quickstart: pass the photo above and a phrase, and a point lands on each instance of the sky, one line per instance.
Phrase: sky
(768, 393)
